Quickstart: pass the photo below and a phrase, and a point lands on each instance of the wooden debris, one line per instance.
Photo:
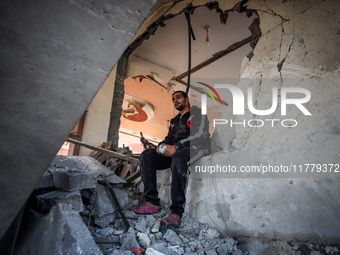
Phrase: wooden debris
(125, 171)
(108, 152)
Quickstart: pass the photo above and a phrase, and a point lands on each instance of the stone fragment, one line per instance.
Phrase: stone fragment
(105, 210)
(161, 247)
(129, 241)
(106, 231)
(61, 231)
(238, 252)
(76, 173)
(47, 200)
(141, 224)
(121, 252)
(210, 252)
(143, 240)
(73, 179)
(150, 219)
(212, 233)
(171, 237)
(46, 181)
(177, 249)
(151, 251)
(152, 239)
(226, 248)
(119, 232)
(156, 225)
(185, 240)
(159, 235)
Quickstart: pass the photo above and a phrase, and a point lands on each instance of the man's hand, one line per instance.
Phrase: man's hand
(169, 151)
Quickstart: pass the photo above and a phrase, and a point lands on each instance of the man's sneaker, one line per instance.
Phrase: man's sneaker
(144, 209)
(170, 222)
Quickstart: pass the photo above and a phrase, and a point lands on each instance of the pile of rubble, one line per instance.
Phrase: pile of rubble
(72, 212)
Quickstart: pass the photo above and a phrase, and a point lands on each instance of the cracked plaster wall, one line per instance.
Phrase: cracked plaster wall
(54, 58)
(299, 47)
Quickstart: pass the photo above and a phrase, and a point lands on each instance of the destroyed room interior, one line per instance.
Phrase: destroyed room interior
(87, 87)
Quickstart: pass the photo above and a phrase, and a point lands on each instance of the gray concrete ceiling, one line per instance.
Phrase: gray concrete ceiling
(169, 46)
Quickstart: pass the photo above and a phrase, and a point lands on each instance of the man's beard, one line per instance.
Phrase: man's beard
(180, 107)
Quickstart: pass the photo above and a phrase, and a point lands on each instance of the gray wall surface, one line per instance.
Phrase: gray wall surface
(55, 55)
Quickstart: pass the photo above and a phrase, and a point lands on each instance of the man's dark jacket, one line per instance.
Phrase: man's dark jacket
(191, 129)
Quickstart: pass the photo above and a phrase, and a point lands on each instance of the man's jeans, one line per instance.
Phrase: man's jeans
(151, 161)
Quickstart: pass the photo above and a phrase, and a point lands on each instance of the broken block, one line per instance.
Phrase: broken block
(47, 200)
(46, 181)
(171, 237)
(104, 208)
(61, 231)
(86, 165)
(73, 179)
(129, 241)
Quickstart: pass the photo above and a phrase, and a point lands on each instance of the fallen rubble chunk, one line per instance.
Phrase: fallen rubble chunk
(105, 211)
(46, 181)
(151, 251)
(141, 224)
(143, 240)
(212, 252)
(171, 237)
(61, 231)
(106, 231)
(163, 249)
(212, 233)
(73, 179)
(47, 200)
(129, 240)
(177, 249)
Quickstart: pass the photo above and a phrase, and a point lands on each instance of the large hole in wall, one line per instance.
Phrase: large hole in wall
(216, 32)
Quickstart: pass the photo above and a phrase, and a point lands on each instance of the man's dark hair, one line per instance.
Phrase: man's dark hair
(185, 95)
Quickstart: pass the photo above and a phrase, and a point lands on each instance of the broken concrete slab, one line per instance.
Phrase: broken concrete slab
(104, 203)
(73, 179)
(75, 172)
(47, 200)
(159, 247)
(105, 220)
(143, 240)
(151, 251)
(61, 231)
(46, 181)
(129, 240)
(212, 252)
(141, 224)
(171, 237)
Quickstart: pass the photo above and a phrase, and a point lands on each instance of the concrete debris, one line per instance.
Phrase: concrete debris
(150, 251)
(47, 200)
(46, 181)
(106, 231)
(141, 224)
(77, 214)
(143, 240)
(156, 226)
(61, 231)
(73, 179)
(129, 240)
(212, 252)
(171, 237)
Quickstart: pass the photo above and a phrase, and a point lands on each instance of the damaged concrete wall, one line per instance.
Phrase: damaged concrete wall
(98, 115)
(299, 47)
(54, 58)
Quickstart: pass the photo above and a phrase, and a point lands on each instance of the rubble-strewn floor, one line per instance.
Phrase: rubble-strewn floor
(192, 237)
(72, 212)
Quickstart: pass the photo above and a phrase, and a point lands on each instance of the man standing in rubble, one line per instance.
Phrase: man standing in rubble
(188, 139)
